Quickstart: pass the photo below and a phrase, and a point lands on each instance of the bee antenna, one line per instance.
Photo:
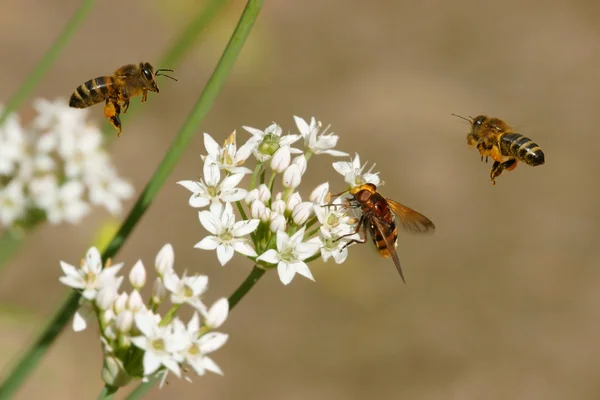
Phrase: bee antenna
(461, 117)
(158, 73)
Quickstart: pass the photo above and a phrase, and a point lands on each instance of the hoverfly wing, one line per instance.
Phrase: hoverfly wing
(409, 219)
(390, 246)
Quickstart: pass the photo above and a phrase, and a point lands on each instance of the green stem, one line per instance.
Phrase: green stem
(42, 67)
(245, 287)
(254, 175)
(34, 354)
(234, 299)
(10, 243)
(107, 393)
(182, 45)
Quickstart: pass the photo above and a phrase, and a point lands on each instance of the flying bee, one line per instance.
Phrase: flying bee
(379, 218)
(495, 138)
(128, 81)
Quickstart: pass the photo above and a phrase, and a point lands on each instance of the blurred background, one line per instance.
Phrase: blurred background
(502, 302)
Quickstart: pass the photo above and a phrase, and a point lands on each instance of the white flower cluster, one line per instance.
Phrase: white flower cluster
(137, 341)
(56, 165)
(277, 228)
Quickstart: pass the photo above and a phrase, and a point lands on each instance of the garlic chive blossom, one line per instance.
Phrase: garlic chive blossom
(274, 226)
(136, 341)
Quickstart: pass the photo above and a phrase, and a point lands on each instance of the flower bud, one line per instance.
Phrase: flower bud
(293, 201)
(264, 194)
(266, 215)
(137, 275)
(257, 209)
(159, 292)
(278, 206)
(135, 302)
(251, 196)
(281, 159)
(121, 303)
(113, 372)
(302, 212)
(300, 161)
(278, 222)
(164, 259)
(292, 177)
(124, 321)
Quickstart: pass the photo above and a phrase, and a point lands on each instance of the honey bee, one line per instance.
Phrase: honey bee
(379, 218)
(128, 81)
(495, 138)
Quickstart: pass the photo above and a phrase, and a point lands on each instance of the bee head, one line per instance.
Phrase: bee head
(148, 77)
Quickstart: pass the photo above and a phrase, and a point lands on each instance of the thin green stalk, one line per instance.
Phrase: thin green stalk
(212, 88)
(234, 299)
(42, 67)
(10, 243)
(107, 393)
(182, 45)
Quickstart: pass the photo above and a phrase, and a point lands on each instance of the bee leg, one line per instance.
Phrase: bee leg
(126, 105)
(112, 111)
(144, 96)
(510, 164)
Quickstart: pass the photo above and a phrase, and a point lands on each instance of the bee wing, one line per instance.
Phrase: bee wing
(390, 246)
(409, 219)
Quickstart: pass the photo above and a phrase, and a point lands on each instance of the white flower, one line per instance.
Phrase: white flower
(278, 206)
(228, 157)
(12, 145)
(353, 172)
(258, 210)
(318, 144)
(187, 289)
(301, 162)
(195, 353)
(227, 235)
(160, 344)
(105, 187)
(61, 203)
(90, 277)
(13, 202)
(290, 255)
(267, 142)
(211, 189)
(335, 246)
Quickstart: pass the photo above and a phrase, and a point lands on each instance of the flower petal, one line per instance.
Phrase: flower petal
(208, 243)
(212, 147)
(270, 256)
(302, 269)
(212, 341)
(243, 247)
(218, 313)
(243, 228)
(224, 253)
(210, 222)
(286, 272)
(192, 186)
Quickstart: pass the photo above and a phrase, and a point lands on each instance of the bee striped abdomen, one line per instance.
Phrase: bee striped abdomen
(92, 92)
(522, 148)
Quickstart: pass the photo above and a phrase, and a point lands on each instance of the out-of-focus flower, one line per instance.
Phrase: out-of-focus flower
(56, 165)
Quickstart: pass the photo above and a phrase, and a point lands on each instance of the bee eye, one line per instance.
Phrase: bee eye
(147, 74)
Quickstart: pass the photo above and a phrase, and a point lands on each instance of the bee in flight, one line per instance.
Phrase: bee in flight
(128, 81)
(495, 138)
(379, 218)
